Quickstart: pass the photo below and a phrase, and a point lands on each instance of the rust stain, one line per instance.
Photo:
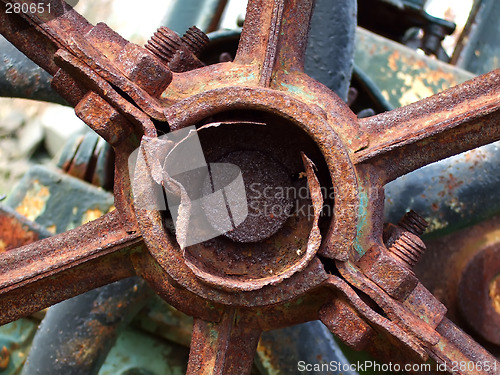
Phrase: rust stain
(33, 204)
(435, 223)
(393, 58)
(14, 234)
(442, 78)
(268, 359)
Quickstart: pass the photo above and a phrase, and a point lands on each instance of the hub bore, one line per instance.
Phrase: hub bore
(267, 187)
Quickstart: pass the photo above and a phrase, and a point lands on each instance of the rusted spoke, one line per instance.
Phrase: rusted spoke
(223, 348)
(56, 26)
(48, 271)
(461, 353)
(26, 39)
(274, 36)
(456, 120)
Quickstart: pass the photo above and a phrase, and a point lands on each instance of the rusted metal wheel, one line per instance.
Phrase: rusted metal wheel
(334, 263)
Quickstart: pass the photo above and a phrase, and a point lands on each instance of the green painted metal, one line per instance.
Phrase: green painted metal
(136, 353)
(478, 49)
(56, 201)
(15, 342)
(162, 320)
(402, 75)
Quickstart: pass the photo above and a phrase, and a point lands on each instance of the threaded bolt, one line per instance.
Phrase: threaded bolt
(405, 243)
(413, 223)
(196, 40)
(164, 43)
(408, 248)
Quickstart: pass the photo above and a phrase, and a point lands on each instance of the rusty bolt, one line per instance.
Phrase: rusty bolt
(413, 223)
(164, 43)
(179, 54)
(403, 241)
(195, 39)
(345, 323)
(388, 272)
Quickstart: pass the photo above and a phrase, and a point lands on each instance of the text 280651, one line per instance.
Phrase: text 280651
(33, 8)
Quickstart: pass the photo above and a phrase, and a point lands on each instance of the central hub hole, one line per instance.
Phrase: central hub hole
(266, 186)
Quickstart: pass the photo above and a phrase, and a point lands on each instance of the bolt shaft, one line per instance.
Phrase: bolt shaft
(164, 43)
(406, 244)
(195, 39)
(413, 223)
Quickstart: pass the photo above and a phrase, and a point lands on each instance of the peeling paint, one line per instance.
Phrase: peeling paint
(435, 224)
(33, 204)
(91, 214)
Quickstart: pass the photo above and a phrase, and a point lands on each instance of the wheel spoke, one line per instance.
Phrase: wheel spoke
(274, 37)
(26, 39)
(456, 347)
(54, 31)
(456, 120)
(223, 348)
(48, 271)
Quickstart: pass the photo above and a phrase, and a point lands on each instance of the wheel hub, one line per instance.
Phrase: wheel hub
(258, 256)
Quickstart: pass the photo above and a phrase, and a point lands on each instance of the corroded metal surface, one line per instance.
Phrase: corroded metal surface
(16, 230)
(227, 347)
(21, 78)
(355, 279)
(434, 128)
(467, 286)
(446, 193)
(87, 327)
(63, 266)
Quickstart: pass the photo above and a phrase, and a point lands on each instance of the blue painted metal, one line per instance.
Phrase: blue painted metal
(22, 78)
(478, 49)
(138, 354)
(330, 48)
(203, 14)
(450, 195)
(280, 351)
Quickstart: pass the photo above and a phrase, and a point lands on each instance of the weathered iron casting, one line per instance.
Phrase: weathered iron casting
(341, 268)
